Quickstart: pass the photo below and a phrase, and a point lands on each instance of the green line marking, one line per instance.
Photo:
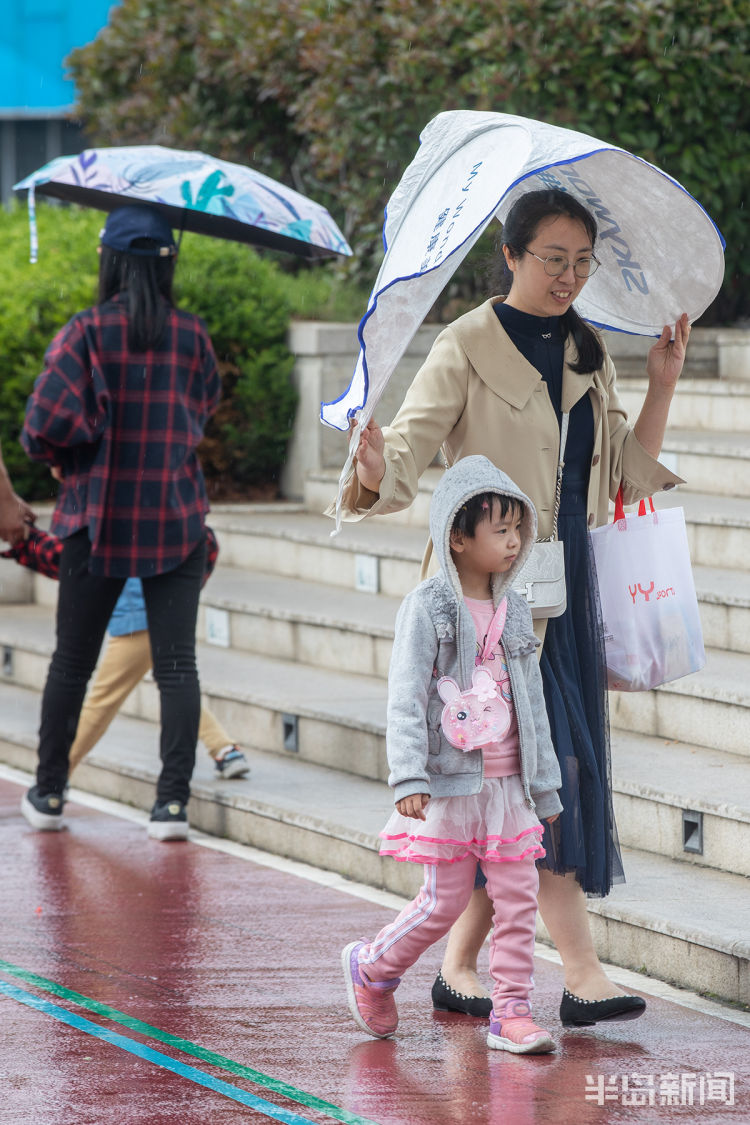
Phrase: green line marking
(198, 1052)
(157, 1058)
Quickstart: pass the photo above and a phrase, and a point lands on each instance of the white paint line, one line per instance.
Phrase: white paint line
(624, 977)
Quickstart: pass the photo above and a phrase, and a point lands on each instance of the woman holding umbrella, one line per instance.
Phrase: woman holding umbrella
(118, 412)
(497, 382)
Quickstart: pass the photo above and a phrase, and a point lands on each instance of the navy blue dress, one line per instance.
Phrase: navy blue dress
(584, 837)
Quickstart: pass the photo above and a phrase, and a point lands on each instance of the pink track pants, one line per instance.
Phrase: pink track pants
(444, 895)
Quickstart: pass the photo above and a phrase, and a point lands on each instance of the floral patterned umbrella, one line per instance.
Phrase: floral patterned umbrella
(196, 192)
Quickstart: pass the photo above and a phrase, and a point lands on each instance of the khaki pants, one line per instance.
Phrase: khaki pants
(125, 662)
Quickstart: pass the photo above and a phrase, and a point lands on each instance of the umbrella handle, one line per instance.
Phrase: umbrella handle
(353, 443)
(182, 228)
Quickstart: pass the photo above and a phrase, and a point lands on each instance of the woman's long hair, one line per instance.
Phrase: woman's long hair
(145, 283)
(519, 229)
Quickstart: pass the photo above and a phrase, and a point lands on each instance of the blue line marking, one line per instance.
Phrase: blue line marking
(200, 1077)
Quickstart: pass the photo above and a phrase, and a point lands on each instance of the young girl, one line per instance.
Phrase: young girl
(472, 763)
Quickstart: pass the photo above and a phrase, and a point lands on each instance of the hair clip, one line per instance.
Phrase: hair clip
(485, 506)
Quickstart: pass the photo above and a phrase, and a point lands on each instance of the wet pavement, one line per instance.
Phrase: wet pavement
(175, 984)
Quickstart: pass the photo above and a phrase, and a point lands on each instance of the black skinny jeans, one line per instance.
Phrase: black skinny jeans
(84, 607)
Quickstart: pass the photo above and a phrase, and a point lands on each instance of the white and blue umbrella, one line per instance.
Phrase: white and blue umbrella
(196, 192)
(661, 253)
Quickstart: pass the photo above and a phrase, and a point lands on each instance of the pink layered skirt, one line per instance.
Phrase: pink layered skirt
(494, 824)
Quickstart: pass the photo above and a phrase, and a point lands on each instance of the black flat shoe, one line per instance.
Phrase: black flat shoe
(444, 999)
(575, 1012)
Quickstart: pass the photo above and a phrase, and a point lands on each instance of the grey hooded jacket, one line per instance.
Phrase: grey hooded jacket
(435, 636)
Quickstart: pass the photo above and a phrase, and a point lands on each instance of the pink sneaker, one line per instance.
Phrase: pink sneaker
(370, 1002)
(514, 1030)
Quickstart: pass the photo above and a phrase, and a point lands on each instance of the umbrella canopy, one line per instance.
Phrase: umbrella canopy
(196, 192)
(661, 253)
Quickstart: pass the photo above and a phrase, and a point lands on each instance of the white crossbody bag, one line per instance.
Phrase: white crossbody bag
(541, 582)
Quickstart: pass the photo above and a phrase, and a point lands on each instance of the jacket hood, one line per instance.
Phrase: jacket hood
(466, 478)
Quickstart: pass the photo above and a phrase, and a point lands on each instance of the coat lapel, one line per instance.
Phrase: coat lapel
(496, 360)
(501, 366)
(574, 386)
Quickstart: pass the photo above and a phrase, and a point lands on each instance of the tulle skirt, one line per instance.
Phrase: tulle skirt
(584, 838)
(494, 824)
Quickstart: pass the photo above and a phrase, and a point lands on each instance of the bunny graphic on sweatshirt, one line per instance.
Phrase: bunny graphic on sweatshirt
(474, 717)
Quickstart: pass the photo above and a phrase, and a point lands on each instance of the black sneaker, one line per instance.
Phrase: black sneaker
(168, 821)
(43, 812)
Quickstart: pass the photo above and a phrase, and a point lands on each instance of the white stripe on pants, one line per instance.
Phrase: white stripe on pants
(445, 893)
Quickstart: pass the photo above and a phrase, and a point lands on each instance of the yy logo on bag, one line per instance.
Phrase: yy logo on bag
(648, 593)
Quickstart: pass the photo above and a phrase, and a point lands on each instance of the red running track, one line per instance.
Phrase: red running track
(159, 984)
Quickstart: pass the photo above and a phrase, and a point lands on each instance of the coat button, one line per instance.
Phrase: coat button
(596, 460)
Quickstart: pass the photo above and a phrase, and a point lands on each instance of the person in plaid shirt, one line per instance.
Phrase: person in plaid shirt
(117, 413)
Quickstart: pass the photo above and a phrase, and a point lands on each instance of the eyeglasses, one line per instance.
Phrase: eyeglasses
(556, 265)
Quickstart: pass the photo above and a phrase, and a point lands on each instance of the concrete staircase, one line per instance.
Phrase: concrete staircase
(293, 660)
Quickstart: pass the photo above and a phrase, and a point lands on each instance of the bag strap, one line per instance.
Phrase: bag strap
(620, 507)
(560, 466)
(495, 630)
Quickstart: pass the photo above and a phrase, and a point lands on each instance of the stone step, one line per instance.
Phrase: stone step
(350, 631)
(682, 801)
(677, 921)
(298, 544)
(286, 805)
(346, 630)
(709, 708)
(716, 405)
(708, 355)
(655, 923)
(308, 622)
(718, 526)
(700, 406)
(336, 720)
(716, 463)
(321, 487)
(724, 600)
(288, 542)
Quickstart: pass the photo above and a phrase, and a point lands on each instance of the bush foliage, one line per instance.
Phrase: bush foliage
(330, 95)
(241, 297)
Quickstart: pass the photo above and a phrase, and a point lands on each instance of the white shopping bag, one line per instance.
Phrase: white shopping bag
(651, 623)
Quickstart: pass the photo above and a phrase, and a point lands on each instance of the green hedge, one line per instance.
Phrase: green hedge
(330, 95)
(242, 298)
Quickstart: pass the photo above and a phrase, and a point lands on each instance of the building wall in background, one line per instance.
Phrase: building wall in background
(36, 95)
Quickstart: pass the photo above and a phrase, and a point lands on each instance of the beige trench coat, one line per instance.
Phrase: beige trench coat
(475, 393)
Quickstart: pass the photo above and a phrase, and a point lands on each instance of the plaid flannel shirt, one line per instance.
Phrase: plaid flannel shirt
(124, 428)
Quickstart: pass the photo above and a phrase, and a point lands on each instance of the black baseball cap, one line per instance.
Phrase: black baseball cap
(126, 225)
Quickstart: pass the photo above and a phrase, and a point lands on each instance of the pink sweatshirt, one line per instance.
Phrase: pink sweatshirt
(501, 759)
